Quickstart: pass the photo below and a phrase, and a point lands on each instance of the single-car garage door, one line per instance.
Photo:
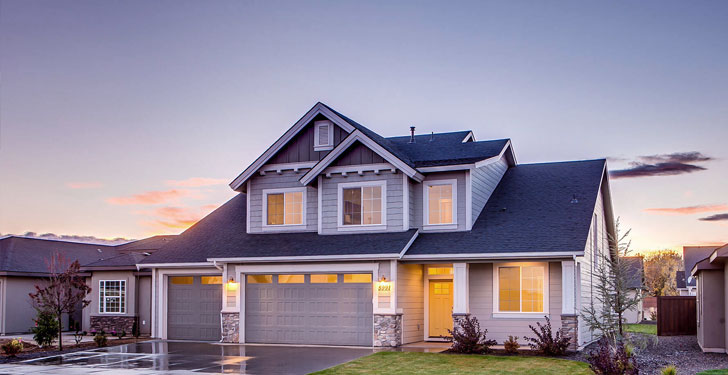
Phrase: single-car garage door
(319, 309)
(193, 308)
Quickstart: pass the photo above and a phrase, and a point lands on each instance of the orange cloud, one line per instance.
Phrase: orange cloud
(84, 185)
(153, 197)
(197, 182)
(687, 210)
(175, 219)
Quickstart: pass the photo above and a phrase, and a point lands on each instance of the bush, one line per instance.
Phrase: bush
(545, 342)
(669, 370)
(467, 338)
(13, 347)
(609, 359)
(78, 336)
(653, 315)
(100, 339)
(511, 345)
(46, 329)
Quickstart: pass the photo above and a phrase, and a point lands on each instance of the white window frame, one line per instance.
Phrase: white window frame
(266, 192)
(426, 205)
(520, 314)
(316, 131)
(340, 206)
(122, 298)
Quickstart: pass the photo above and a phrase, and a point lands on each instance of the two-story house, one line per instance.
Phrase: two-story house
(339, 236)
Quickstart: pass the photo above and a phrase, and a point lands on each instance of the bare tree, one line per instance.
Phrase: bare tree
(64, 290)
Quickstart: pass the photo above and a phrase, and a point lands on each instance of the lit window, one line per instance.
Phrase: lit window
(440, 202)
(181, 280)
(357, 278)
(212, 280)
(284, 208)
(112, 296)
(442, 288)
(362, 205)
(439, 271)
(290, 279)
(324, 279)
(260, 279)
(521, 289)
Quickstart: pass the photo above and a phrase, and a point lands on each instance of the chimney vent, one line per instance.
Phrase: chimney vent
(412, 134)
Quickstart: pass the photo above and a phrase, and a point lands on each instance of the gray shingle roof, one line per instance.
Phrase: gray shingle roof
(693, 254)
(121, 260)
(680, 280)
(529, 211)
(30, 255)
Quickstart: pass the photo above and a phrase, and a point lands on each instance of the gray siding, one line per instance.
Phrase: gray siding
(272, 180)
(359, 154)
(128, 276)
(300, 148)
(19, 313)
(481, 304)
(411, 300)
(329, 213)
(144, 289)
(416, 220)
(484, 181)
(711, 309)
(412, 204)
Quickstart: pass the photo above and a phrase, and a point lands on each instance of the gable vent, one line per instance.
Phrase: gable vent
(323, 135)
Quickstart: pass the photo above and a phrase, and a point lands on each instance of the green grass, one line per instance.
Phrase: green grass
(649, 329)
(714, 372)
(399, 363)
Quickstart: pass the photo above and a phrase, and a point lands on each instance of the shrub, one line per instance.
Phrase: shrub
(669, 370)
(545, 342)
(610, 359)
(46, 329)
(13, 347)
(78, 336)
(511, 345)
(467, 338)
(653, 315)
(120, 335)
(100, 339)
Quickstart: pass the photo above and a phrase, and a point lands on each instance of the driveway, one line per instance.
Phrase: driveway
(155, 357)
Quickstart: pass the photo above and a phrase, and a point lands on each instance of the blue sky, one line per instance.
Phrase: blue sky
(109, 108)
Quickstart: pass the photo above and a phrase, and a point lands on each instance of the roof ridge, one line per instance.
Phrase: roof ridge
(563, 162)
(57, 240)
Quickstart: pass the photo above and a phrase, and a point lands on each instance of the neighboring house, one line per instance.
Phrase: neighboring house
(686, 285)
(712, 278)
(339, 236)
(635, 282)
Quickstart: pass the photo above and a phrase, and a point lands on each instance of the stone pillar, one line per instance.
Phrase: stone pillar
(570, 329)
(231, 327)
(387, 330)
(113, 323)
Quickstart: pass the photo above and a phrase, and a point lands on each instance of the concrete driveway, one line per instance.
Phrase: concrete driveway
(155, 357)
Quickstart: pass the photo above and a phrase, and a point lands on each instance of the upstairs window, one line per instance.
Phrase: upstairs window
(112, 296)
(323, 137)
(283, 207)
(361, 204)
(440, 202)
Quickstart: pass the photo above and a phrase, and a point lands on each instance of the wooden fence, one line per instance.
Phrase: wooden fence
(676, 316)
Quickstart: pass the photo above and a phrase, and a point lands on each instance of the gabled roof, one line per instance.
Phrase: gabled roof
(693, 254)
(125, 261)
(444, 150)
(30, 255)
(530, 212)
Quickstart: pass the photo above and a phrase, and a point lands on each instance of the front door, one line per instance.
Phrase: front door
(440, 301)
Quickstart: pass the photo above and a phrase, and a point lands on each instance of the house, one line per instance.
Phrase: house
(635, 283)
(685, 283)
(710, 274)
(339, 236)
(683, 286)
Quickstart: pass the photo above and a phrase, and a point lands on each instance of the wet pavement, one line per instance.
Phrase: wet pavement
(169, 357)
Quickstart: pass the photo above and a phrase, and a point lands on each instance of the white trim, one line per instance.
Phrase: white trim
(122, 298)
(393, 279)
(316, 132)
(427, 278)
(155, 317)
(247, 207)
(468, 200)
(519, 314)
(460, 286)
(264, 204)
(469, 137)
(319, 108)
(340, 206)
(357, 135)
(175, 265)
(359, 169)
(446, 168)
(310, 258)
(504, 255)
(426, 204)
(409, 244)
(287, 167)
(405, 203)
(494, 159)
(320, 205)
(568, 287)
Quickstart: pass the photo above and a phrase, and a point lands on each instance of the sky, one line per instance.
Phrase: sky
(129, 118)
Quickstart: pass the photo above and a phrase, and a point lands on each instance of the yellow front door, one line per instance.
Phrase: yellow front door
(440, 301)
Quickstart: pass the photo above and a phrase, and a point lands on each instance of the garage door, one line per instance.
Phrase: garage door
(319, 309)
(193, 308)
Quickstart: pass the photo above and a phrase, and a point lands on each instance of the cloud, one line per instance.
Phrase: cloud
(167, 219)
(716, 217)
(153, 197)
(84, 185)
(687, 210)
(197, 182)
(663, 165)
(77, 238)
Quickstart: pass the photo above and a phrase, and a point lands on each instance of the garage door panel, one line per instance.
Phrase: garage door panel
(193, 310)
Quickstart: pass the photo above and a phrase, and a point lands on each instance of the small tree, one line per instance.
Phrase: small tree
(62, 292)
(660, 269)
(612, 290)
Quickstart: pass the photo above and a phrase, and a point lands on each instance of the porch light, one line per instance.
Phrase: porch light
(231, 285)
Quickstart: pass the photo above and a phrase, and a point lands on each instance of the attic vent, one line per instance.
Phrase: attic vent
(323, 138)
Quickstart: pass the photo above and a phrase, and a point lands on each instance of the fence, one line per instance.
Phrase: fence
(676, 316)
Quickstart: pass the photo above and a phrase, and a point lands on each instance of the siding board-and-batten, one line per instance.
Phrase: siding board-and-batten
(301, 147)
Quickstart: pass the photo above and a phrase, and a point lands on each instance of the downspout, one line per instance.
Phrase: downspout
(214, 263)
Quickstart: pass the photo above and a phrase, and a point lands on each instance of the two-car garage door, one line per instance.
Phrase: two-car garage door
(319, 309)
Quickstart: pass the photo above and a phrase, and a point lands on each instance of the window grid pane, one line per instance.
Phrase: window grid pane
(275, 209)
(372, 205)
(508, 289)
(294, 208)
(352, 206)
(532, 289)
(440, 204)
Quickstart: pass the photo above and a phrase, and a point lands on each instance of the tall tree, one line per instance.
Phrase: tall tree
(612, 284)
(660, 269)
(62, 292)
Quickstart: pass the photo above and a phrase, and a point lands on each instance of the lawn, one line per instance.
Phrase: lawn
(434, 363)
(714, 372)
(649, 329)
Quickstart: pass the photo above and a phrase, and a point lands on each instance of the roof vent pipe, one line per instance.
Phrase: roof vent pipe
(432, 136)
(412, 134)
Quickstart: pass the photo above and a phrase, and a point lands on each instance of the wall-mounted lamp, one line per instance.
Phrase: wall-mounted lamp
(231, 285)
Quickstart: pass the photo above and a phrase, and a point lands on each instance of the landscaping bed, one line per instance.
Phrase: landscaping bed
(31, 351)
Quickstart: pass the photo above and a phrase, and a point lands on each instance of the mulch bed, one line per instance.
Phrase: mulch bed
(31, 351)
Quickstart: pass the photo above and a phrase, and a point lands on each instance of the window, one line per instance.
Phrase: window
(440, 202)
(211, 280)
(521, 288)
(324, 279)
(439, 271)
(284, 207)
(441, 288)
(323, 137)
(290, 279)
(112, 296)
(260, 279)
(362, 204)
(358, 278)
(181, 280)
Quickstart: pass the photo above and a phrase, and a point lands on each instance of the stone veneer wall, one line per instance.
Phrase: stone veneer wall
(387, 330)
(113, 323)
(231, 327)
(570, 328)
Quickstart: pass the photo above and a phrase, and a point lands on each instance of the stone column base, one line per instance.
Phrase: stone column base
(387, 330)
(111, 323)
(231, 327)
(570, 329)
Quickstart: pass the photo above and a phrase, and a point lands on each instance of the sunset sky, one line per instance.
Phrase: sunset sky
(129, 118)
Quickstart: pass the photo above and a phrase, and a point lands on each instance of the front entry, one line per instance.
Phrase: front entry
(440, 310)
